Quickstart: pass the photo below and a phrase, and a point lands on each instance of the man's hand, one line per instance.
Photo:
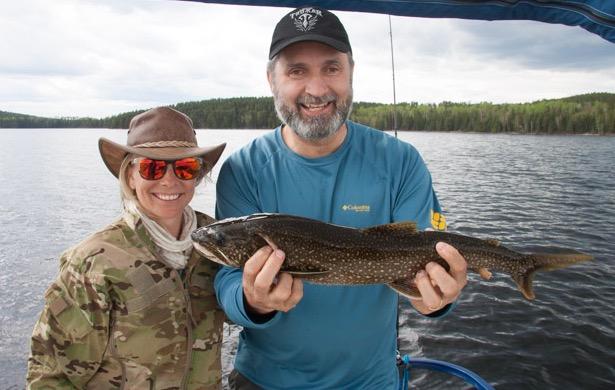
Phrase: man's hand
(264, 288)
(438, 287)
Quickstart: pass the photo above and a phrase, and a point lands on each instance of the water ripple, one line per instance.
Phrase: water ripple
(530, 192)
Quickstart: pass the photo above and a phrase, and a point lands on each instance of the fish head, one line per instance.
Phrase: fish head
(229, 242)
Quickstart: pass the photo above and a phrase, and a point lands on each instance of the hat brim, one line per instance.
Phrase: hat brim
(334, 43)
(113, 154)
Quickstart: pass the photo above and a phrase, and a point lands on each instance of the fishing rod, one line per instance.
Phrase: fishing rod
(393, 73)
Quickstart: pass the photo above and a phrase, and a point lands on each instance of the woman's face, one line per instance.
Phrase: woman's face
(162, 200)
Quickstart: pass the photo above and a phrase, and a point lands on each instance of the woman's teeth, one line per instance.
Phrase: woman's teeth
(167, 196)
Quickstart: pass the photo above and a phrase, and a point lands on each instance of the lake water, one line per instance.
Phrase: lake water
(527, 191)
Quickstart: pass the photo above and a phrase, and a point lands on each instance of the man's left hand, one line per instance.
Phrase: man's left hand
(438, 287)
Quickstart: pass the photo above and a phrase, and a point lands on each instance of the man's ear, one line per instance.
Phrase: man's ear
(270, 80)
(351, 64)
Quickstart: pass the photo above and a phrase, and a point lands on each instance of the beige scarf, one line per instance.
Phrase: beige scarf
(175, 252)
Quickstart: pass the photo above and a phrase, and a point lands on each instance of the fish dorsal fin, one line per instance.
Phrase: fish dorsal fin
(493, 241)
(396, 227)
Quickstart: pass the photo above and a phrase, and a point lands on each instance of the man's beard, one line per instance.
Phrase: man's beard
(314, 127)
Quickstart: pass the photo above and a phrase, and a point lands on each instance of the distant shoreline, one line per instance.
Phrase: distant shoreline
(592, 113)
(388, 131)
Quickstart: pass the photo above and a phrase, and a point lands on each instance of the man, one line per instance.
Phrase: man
(299, 335)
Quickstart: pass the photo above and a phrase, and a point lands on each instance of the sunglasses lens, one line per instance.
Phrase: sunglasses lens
(187, 168)
(152, 169)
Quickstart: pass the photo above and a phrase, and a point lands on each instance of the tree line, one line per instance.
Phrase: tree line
(589, 113)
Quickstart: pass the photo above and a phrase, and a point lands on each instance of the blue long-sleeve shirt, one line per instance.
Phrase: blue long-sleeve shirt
(337, 336)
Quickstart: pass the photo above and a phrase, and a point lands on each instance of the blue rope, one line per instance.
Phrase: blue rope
(438, 365)
(405, 378)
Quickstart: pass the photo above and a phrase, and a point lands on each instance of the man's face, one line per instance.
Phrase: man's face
(312, 89)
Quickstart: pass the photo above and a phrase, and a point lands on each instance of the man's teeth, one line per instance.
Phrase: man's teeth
(315, 106)
(167, 196)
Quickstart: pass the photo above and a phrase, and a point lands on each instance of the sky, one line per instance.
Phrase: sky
(75, 58)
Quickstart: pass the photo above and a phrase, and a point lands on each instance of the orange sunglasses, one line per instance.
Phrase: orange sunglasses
(185, 169)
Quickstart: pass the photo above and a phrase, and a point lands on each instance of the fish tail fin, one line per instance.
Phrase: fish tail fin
(546, 262)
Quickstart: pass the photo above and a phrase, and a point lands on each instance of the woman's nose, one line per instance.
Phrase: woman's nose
(169, 176)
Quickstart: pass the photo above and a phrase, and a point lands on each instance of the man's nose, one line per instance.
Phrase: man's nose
(316, 86)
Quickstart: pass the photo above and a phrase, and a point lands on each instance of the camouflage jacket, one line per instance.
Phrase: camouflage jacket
(118, 317)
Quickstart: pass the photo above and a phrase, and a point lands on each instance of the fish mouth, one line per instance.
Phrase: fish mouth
(214, 255)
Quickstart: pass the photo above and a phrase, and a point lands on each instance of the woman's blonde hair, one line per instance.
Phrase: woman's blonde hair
(126, 193)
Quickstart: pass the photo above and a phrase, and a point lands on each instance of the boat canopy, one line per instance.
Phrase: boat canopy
(596, 16)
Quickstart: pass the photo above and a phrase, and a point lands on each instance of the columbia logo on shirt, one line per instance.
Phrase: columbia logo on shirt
(357, 208)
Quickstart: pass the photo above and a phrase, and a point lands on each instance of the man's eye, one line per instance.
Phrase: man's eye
(296, 72)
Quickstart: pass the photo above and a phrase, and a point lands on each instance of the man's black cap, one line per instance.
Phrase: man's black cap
(309, 24)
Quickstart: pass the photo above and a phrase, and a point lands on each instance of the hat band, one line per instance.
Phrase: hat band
(167, 144)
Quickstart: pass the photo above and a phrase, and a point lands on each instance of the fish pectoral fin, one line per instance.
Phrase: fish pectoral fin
(306, 274)
(405, 288)
(397, 227)
(268, 240)
(485, 273)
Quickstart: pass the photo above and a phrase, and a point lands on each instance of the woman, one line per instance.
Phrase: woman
(133, 306)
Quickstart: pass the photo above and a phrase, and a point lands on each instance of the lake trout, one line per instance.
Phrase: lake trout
(391, 254)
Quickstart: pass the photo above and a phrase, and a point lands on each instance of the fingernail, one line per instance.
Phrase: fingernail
(420, 274)
(442, 246)
(279, 254)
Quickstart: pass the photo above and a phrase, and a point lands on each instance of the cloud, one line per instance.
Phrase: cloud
(95, 58)
(149, 53)
(534, 45)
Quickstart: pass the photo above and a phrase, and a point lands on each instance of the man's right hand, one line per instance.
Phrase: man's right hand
(264, 288)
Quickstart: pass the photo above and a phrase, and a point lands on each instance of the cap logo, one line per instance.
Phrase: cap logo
(305, 19)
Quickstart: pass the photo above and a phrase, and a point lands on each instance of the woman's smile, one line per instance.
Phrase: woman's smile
(167, 197)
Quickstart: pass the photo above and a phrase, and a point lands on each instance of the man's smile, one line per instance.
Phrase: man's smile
(316, 109)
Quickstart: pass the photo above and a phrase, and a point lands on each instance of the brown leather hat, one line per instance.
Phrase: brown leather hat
(161, 133)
